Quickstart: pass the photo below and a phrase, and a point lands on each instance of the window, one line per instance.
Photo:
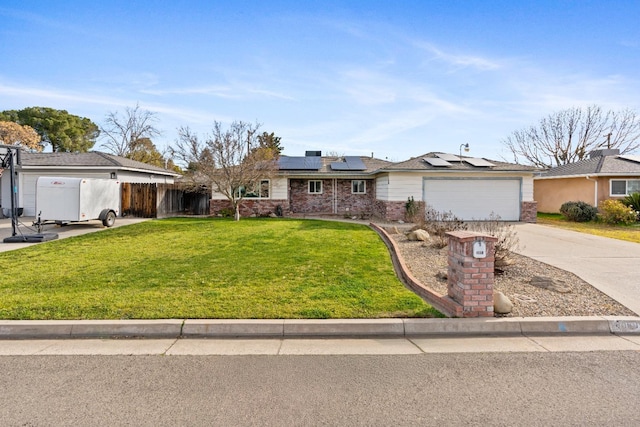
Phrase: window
(260, 191)
(358, 186)
(264, 189)
(624, 187)
(315, 187)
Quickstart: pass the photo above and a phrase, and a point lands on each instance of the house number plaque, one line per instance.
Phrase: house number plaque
(479, 249)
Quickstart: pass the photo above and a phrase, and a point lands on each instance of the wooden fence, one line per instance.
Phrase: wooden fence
(159, 200)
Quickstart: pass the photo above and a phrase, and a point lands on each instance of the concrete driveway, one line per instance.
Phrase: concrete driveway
(74, 229)
(610, 265)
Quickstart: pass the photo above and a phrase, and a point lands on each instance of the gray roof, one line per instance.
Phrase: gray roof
(93, 159)
(419, 164)
(604, 165)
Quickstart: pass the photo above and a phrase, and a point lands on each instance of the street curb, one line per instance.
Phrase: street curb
(292, 328)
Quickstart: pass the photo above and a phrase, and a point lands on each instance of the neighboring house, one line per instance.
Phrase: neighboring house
(85, 165)
(471, 188)
(604, 175)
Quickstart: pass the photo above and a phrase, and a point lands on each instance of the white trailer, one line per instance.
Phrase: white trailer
(67, 199)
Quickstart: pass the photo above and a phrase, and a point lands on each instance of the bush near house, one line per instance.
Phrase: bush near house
(617, 213)
(412, 210)
(437, 224)
(633, 201)
(578, 211)
(506, 234)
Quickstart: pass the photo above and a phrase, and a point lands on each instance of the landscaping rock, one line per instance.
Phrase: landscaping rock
(419, 234)
(503, 262)
(272, 215)
(501, 303)
(551, 284)
(442, 275)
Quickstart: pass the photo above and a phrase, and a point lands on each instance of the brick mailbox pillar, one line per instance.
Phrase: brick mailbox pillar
(470, 273)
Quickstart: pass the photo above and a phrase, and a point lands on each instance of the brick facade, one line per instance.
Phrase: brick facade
(529, 212)
(395, 211)
(248, 207)
(470, 279)
(336, 198)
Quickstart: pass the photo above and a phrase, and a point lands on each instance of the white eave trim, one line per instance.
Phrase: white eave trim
(459, 171)
(98, 168)
(591, 175)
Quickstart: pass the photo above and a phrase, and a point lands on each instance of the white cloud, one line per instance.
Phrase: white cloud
(458, 61)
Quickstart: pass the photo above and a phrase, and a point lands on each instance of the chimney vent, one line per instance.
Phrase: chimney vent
(604, 152)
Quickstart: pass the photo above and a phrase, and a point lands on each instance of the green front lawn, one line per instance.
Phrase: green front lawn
(208, 268)
(629, 233)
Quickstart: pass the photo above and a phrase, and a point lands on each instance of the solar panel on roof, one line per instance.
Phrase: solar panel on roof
(340, 166)
(355, 163)
(299, 163)
(351, 163)
(435, 161)
(475, 161)
(448, 157)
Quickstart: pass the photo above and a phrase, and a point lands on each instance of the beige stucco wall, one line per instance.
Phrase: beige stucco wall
(552, 193)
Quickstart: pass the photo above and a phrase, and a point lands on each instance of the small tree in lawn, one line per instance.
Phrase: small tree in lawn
(231, 159)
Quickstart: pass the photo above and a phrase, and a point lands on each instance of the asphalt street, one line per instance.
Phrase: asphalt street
(501, 389)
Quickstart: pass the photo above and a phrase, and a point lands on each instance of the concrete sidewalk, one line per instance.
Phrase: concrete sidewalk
(70, 230)
(609, 265)
(308, 328)
(318, 337)
(330, 346)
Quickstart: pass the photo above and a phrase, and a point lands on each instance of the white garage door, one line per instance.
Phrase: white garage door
(474, 199)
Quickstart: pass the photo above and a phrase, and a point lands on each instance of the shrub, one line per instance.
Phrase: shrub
(578, 211)
(508, 240)
(437, 224)
(411, 210)
(633, 201)
(615, 212)
(227, 212)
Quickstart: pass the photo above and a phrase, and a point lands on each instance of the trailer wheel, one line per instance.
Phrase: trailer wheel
(109, 219)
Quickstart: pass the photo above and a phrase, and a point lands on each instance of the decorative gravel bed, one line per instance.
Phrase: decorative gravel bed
(578, 298)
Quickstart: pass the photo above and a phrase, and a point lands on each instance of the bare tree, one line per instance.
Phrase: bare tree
(123, 132)
(230, 159)
(570, 135)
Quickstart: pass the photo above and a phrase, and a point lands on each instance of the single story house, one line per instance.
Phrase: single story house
(606, 174)
(84, 165)
(471, 188)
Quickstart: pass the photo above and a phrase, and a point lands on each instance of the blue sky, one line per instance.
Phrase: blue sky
(397, 79)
